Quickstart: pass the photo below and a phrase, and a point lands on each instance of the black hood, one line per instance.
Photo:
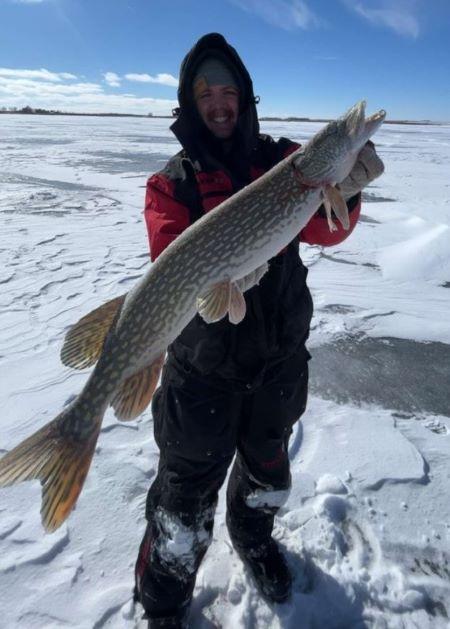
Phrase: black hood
(199, 144)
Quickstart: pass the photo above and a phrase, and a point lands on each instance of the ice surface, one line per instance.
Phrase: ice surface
(368, 516)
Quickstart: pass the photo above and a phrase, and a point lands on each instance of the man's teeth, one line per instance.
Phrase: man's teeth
(220, 119)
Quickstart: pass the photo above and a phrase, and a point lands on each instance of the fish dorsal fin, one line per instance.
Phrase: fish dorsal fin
(221, 299)
(253, 278)
(134, 394)
(336, 201)
(84, 341)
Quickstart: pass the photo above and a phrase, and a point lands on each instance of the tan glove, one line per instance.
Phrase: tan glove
(368, 167)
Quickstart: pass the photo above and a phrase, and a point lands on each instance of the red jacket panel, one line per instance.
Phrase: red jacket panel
(165, 217)
(317, 232)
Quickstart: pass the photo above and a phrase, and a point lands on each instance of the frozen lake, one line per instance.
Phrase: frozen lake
(371, 498)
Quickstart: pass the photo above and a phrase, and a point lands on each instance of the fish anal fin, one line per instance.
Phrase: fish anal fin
(214, 303)
(135, 393)
(84, 341)
(338, 204)
(61, 463)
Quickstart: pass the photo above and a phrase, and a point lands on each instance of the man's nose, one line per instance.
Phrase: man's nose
(218, 101)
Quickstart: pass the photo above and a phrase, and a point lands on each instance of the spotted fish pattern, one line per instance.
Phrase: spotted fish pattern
(206, 269)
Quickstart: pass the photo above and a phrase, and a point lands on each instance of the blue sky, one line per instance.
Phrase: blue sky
(307, 58)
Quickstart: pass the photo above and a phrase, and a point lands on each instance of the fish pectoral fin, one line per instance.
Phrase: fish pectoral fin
(60, 461)
(335, 199)
(135, 393)
(84, 341)
(214, 303)
(327, 205)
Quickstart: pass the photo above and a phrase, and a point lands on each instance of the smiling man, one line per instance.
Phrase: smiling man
(217, 97)
(227, 389)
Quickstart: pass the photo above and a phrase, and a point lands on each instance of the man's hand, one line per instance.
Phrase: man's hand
(368, 167)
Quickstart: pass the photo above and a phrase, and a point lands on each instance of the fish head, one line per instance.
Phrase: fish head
(330, 156)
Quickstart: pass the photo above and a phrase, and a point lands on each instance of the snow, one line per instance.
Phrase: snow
(263, 498)
(177, 546)
(368, 517)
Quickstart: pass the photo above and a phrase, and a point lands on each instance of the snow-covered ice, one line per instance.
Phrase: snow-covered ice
(368, 516)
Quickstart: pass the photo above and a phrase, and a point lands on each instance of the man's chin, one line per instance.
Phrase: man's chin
(223, 132)
(223, 136)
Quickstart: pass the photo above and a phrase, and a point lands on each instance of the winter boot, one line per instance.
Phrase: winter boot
(269, 570)
(165, 598)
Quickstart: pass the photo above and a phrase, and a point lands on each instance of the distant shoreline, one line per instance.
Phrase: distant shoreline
(43, 112)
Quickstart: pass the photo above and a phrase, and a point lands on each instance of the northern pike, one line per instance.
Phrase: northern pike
(206, 270)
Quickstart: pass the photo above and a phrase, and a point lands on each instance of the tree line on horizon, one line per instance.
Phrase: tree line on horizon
(55, 112)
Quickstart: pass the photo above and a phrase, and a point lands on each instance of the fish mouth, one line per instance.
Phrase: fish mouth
(355, 118)
(373, 122)
(359, 127)
(329, 157)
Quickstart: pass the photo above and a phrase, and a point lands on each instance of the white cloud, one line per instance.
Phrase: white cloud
(17, 90)
(112, 79)
(398, 15)
(286, 14)
(162, 79)
(39, 88)
(41, 74)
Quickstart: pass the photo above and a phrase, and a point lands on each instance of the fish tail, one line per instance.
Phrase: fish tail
(59, 458)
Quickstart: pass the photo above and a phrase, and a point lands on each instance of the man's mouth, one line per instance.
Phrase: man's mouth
(221, 123)
(223, 118)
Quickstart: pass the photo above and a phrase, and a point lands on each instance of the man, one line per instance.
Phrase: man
(227, 389)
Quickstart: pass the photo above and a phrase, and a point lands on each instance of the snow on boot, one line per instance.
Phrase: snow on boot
(165, 597)
(269, 570)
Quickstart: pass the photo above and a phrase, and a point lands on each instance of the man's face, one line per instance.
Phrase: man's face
(218, 106)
